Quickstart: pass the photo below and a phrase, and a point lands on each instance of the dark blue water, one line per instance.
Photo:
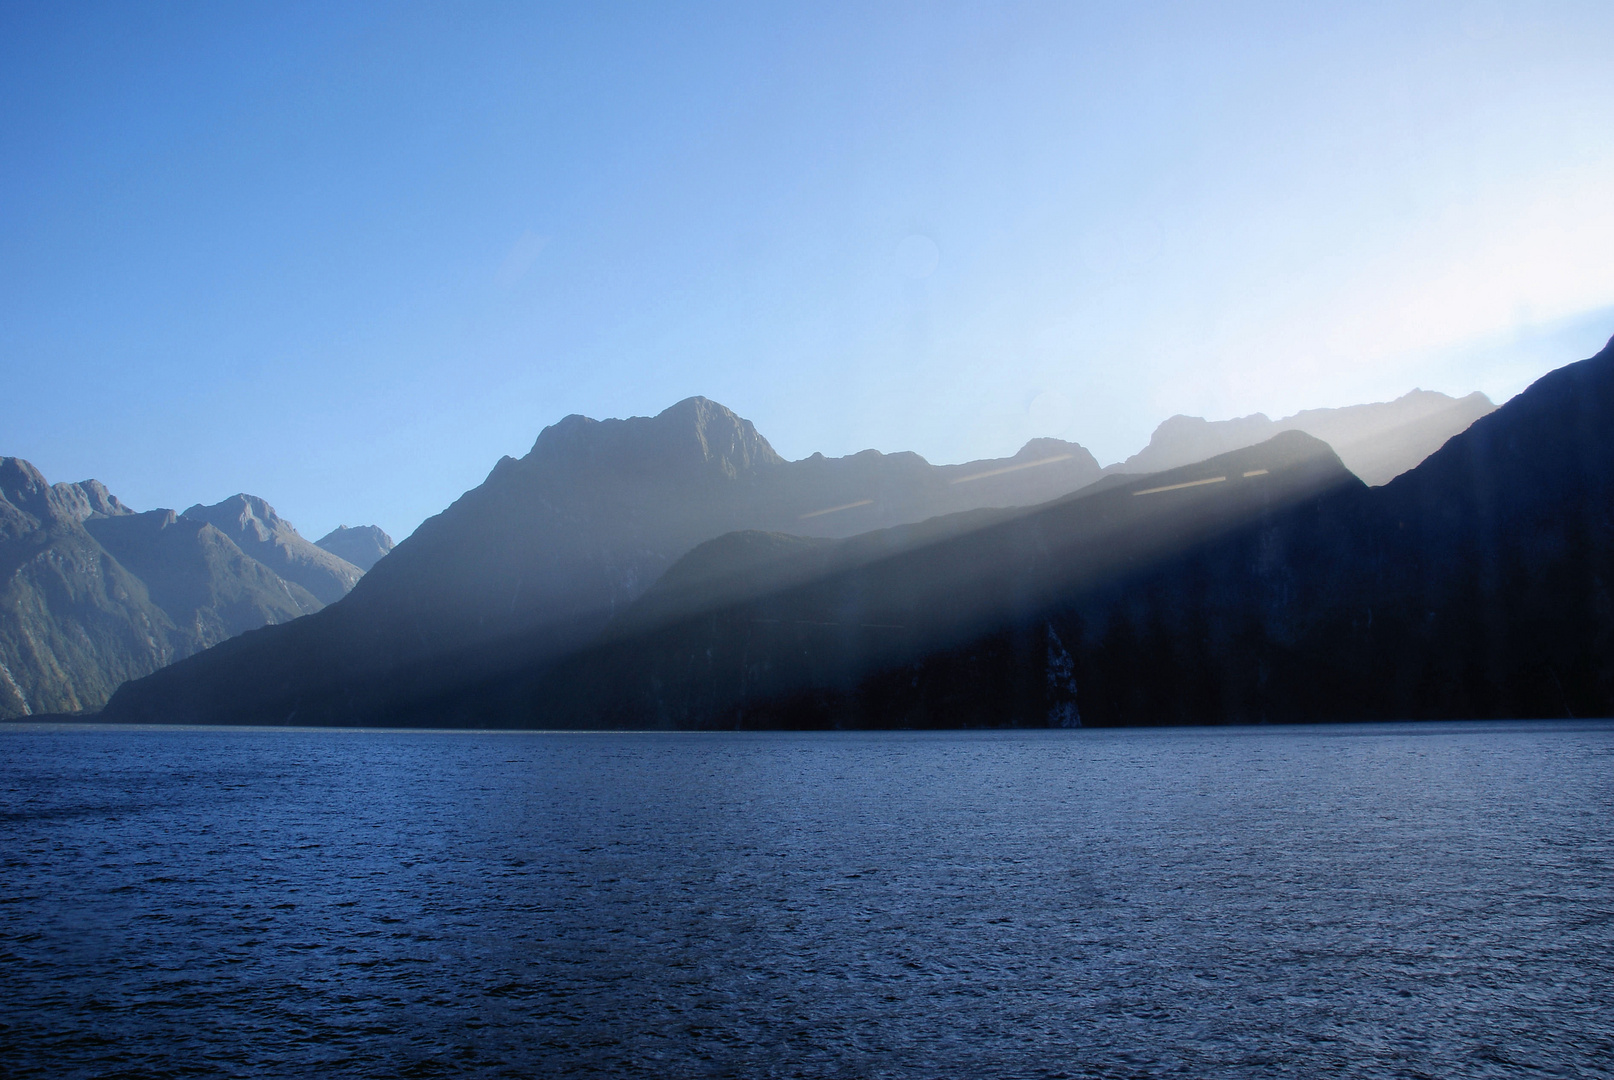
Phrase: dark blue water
(1339, 901)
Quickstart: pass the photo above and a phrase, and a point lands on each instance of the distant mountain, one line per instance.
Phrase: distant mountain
(538, 558)
(267, 537)
(73, 623)
(200, 578)
(1266, 584)
(93, 594)
(1377, 442)
(764, 630)
(362, 545)
(537, 561)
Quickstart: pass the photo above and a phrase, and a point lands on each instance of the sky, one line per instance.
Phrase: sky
(345, 256)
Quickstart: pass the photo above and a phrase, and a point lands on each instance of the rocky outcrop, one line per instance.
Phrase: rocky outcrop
(87, 498)
(697, 436)
(363, 546)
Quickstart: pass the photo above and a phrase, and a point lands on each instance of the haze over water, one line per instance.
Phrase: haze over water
(1362, 901)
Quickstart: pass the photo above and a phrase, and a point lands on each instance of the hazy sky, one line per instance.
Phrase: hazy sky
(345, 256)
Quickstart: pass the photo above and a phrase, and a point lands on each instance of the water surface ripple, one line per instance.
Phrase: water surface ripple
(1373, 901)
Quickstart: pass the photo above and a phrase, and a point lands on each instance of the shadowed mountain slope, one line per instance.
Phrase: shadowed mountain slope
(1377, 442)
(790, 631)
(1263, 585)
(363, 545)
(537, 559)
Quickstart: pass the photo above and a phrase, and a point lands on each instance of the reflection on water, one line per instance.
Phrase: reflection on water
(1380, 901)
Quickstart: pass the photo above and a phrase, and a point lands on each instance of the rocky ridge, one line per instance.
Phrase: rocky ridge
(93, 593)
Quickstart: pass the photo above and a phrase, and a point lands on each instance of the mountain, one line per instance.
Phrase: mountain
(199, 577)
(1377, 442)
(1266, 584)
(759, 630)
(269, 538)
(539, 557)
(361, 546)
(93, 594)
(73, 623)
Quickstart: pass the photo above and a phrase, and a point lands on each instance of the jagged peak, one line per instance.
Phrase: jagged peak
(89, 497)
(243, 513)
(25, 487)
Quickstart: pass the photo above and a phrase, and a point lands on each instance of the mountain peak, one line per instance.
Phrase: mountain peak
(25, 488)
(242, 513)
(1046, 449)
(362, 545)
(695, 433)
(22, 485)
(89, 497)
(266, 536)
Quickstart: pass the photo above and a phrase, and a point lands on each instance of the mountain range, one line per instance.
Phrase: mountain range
(563, 545)
(93, 594)
(1264, 585)
(1377, 442)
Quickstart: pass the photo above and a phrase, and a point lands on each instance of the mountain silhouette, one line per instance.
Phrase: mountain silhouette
(537, 559)
(1264, 585)
(623, 528)
(1377, 442)
(756, 629)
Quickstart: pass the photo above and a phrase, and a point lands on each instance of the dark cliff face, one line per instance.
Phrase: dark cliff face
(1264, 585)
(537, 559)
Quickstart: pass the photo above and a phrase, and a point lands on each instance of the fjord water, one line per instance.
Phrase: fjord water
(1433, 900)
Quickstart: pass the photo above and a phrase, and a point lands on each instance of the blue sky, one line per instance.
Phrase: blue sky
(344, 256)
